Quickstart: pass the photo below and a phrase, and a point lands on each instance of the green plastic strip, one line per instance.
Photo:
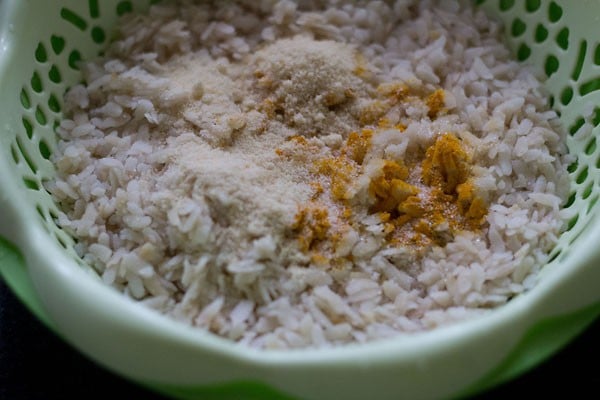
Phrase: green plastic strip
(539, 343)
(230, 391)
(14, 272)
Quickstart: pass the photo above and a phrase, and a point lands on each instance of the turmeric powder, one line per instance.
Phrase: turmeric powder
(435, 102)
(415, 208)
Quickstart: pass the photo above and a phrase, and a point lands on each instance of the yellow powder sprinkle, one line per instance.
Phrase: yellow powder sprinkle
(317, 188)
(319, 260)
(358, 144)
(435, 102)
(470, 205)
(340, 171)
(390, 189)
(395, 91)
(446, 163)
(413, 216)
(414, 210)
(312, 225)
(400, 127)
(298, 139)
(372, 112)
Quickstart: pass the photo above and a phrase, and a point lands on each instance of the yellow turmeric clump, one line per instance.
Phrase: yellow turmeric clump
(312, 225)
(358, 144)
(390, 188)
(446, 163)
(414, 209)
(435, 102)
(373, 111)
(469, 203)
(395, 91)
(432, 213)
(340, 171)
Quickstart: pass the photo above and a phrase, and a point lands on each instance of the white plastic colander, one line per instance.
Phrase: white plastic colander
(41, 42)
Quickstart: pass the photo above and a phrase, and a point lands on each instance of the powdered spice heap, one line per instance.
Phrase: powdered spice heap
(417, 209)
(312, 225)
(447, 167)
(312, 86)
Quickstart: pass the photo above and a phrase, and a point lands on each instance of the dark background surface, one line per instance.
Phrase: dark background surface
(36, 365)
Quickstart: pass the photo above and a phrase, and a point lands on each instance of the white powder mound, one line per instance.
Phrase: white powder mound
(308, 174)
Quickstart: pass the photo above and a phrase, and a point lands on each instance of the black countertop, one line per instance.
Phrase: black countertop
(36, 365)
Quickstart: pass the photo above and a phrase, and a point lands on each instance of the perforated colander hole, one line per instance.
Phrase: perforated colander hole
(45, 151)
(25, 101)
(554, 255)
(40, 54)
(25, 155)
(98, 35)
(506, 5)
(555, 12)
(550, 67)
(28, 127)
(31, 184)
(595, 120)
(541, 33)
(593, 202)
(597, 55)
(54, 104)
(573, 167)
(15, 154)
(72, 17)
(54, 74)
(46, 224)
(571, 200)
(125, 7)
(590, 86)
(572, 222)
(63, 238)
(587, 191)
(524, 52)
(576, 126)
(579, 233)
(41, 212)
(74, 60)
(596, 117)
(518, 27)
(94, 8)
(591, 147)
(598, 163)
(580, 59)
(62, 241)
(582, 176)
(36, 83)
(40, 116)
(566, 96)
(532, 5)
(562, 38)
(57, 43)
